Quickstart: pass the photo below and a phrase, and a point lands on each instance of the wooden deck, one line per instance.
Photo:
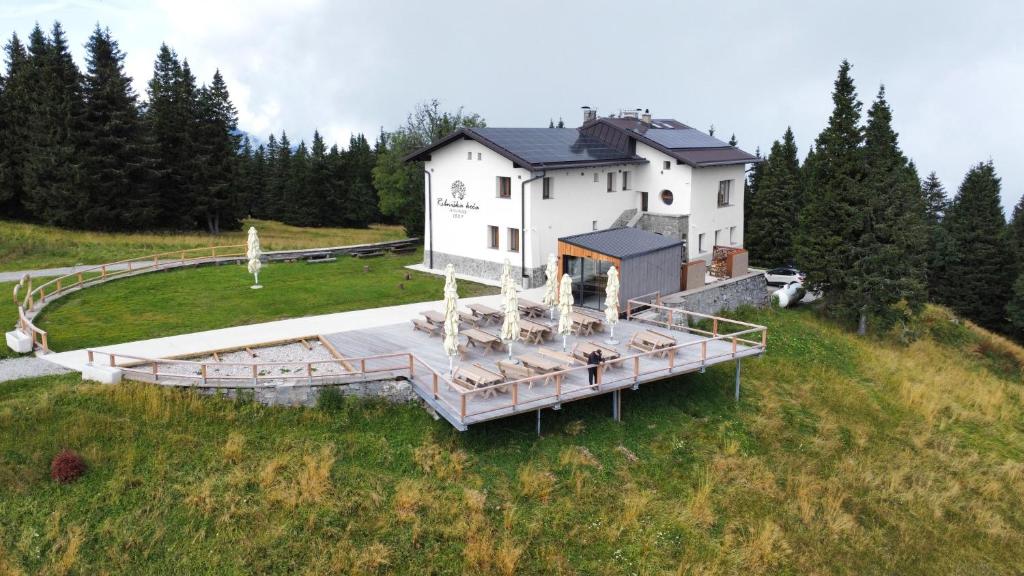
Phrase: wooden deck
(463, 407)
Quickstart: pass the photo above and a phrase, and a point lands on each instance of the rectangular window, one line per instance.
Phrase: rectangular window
(593, 226)
(611, 181)
(718, 233)
(700, 243)
(626, 179)
(547, 189)
(666, 165)
(597, 177)
(492, 237)
(513, 239)
(479, 156)
(469, 155)
(504, 186)
(725, 193)
(732, 235)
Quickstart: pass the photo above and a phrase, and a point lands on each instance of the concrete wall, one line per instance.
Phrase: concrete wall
(706, 216)
(722, 295)
(396, 390)
(653, 178)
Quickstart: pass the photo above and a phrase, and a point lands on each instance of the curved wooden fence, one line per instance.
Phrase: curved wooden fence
(37, 297)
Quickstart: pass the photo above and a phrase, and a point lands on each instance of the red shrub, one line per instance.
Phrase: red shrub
(67, 466)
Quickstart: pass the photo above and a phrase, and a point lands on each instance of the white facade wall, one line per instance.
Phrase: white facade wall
(577, 202)
(706, 216)
(463, 231)
(653, 178)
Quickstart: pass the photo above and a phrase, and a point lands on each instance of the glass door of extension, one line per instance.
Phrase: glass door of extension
(589, 279)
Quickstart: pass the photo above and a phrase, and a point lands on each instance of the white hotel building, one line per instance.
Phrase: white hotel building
(511, 193)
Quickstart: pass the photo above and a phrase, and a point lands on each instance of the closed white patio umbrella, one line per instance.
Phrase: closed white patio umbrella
(611, 303)
(565, 302)
(506, 276)
(451, 316)
(253, 253)
(510, 325)
(551, 285)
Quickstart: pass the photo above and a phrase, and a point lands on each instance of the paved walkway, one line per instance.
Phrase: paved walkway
(253, 334)
(28, 367)
(47, 272)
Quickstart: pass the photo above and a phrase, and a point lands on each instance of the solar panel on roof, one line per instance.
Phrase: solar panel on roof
(550, 145)
(683, 138)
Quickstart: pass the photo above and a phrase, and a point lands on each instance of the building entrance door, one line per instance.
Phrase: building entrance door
(589, 280)
(643, 201)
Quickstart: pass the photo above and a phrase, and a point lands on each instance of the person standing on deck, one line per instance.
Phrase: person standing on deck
(594, 359)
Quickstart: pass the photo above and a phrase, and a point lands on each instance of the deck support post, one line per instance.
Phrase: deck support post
(617, 405)
(738, 361)
(538, 422)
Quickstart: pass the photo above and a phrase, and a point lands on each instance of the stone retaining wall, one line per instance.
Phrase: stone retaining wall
(750, 289)
(485, 268)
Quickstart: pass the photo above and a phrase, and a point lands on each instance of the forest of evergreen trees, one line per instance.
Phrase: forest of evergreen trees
(80, 150)
(873, 236)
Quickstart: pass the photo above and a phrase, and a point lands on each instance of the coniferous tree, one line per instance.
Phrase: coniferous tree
(247, 178)
(978, 277)
(890, 267)
(52, 191)
(14, 116)
(357, 170)
(733, 141)
(216, 144)
(834, 215)
(773, 208)
(115, 157)
(561, 123)
(936, 203)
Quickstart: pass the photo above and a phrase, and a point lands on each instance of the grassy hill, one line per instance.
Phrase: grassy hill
(844, 456)
(30, 246)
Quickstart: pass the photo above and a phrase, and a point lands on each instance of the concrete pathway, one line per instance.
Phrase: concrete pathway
(253, 334)
(47, 272)
(28, 367)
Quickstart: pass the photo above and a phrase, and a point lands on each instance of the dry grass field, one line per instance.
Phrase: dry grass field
(844, 456)
(29, 246)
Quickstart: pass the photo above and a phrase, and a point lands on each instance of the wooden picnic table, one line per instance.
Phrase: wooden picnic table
(531, 309)
(479, 338)
(566, 360)
(582, 350)
(486, 313)
(433, 316)
(540, 365)
(652, 341)
(534, 332)
(476, 376)
(584, 324)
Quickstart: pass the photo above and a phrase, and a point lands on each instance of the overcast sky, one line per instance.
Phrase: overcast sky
(953, 71)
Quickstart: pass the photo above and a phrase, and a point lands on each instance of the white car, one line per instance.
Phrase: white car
(783, 276)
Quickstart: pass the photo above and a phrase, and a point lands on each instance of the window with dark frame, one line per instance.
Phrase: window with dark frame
(513, 239)
(492, 237)
(724, 193)
(611, 181)
(504, 186)
(546, 194)
(469, 155)
(666, 165)
(626, 177)
(700, 243)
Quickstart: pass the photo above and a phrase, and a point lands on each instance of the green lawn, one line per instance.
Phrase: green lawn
(844, 456)
(191, 300)
(30, 246)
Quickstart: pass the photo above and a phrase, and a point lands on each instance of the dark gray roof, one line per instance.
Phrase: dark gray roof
(684, 138)
(622, 242)
(539, 148)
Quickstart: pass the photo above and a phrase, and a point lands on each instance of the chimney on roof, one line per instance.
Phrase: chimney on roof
(630, 113)
(646, 116)
(589, 114)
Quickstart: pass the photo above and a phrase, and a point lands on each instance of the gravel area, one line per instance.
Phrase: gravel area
(28, 367)
(296, 359)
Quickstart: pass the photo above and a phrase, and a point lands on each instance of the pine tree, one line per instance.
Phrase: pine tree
(115, 164)
(216, 144)
(247, 179)
(297, 188)
(834, 215)
(979, 279)
(772, 211)
(561, 123)
(936, 203)
(52, 191)
(733, 141)
(14, 116)
(281, 194)
(888, 279)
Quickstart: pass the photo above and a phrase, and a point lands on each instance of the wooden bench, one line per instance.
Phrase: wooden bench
(367, 253)
(405, 249)
(423, 325)
(468, 318)
(320, 257)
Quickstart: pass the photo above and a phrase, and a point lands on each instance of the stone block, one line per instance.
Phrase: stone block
(102, 374)
(19, 341)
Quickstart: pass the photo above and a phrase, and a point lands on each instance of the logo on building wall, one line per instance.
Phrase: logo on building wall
(458, 206)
